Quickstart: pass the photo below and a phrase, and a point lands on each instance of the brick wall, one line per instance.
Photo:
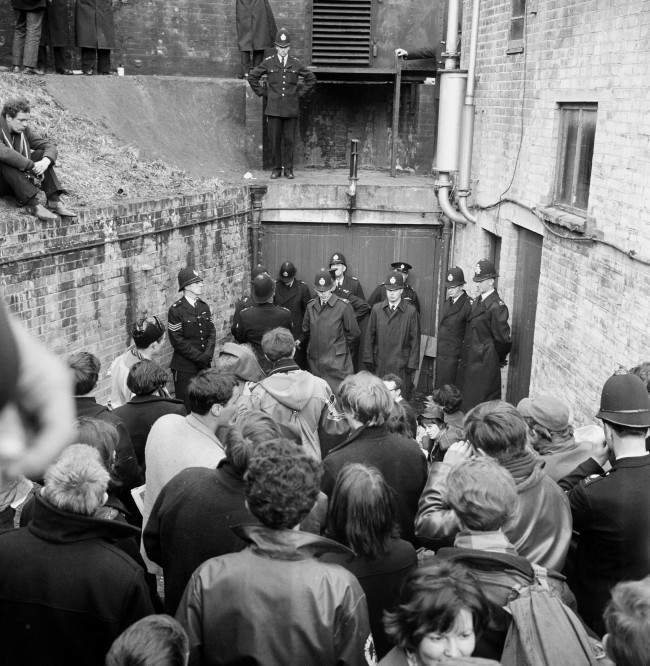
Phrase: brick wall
(592, 312)
(80, 285)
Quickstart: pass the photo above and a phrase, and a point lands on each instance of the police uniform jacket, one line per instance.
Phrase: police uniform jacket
(392, 339)
(408, 294)
(281, 90)
(331, 330)
(451, 333)
(294, 298)
(192, 335)
(485, 347)
(253, 322)
(611, 513)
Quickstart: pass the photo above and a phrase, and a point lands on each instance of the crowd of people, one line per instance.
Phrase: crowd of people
(285, 510)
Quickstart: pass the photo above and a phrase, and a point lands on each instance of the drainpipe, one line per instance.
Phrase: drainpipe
(467, 136)
(353, 178)
(257, 195)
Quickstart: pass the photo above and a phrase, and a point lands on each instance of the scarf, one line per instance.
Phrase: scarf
(522, 466)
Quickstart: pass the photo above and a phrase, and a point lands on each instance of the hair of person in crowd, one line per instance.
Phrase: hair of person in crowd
(239, 360)
(12, 107)
(85, 368)
(448, 397)
(482, 493)
(278, 343)
(365, 397)
(498, 429)
(434, 598)
(77, 481)
(155, 640)
(146, 331)
(362, 511)
(101, 436)
(209, 387)
(642, 371)
(392, 378)
(282, 483)
(241, 440)
(397, 421)
(145, 377)
(627, 621)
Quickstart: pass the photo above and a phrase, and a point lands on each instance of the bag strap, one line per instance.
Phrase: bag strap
(516, 562)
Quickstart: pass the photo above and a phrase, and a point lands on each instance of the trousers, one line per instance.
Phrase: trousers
(27, 37)
(281, 136)
(96, 57)
(18, 184)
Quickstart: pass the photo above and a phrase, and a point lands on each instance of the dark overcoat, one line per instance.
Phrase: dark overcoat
(485, 347)
(379, 295)
(451, 333)
(256, 27)
(94, 24)
(294, 298)
(60, 23)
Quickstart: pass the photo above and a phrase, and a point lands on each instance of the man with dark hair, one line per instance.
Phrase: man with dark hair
(541, 527)
(611, 511)
(274, 602)
(26, 163)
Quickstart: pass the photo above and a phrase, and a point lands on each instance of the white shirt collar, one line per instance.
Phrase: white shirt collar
(486, 294)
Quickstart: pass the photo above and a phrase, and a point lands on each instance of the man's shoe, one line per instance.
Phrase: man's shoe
(33, 71)
(276, 173)
(288, 173)
(88, 72)
(58, 208)
(41, 212)
(16, 70)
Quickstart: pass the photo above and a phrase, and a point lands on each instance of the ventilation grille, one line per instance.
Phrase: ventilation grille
(341, 32)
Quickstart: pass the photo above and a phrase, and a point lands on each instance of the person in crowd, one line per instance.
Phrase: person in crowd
(86, 367)
(361, 516)
(294, 295)
(158, 640)
(330, 331)
(148, 338)
(642, 371)
(441, 614)
(191, 332)
(59, 33)
(27, 163)
(540, 529)
(254, 321)
(408, 293)
(394, 385)
(350, 283)
(146, 382)
(274, 602)
(240, 362)
(293, 397)
(76, 591)
(450, 399)
(27, 35)
(255, 31)
(486, 343)
(95, 35)
(392, 338)
(484, 496)
(432, 421)
(610, 510)
(454, 316)
(627, 621)
(366, 403)
(245, 300)
(551, 434)
(282, 93)
(398, 421)
(16, 493)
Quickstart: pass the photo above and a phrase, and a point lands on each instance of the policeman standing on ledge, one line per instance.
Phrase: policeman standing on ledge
(282, 93)
(379, 294)
(454, 316)
(487, 341)
(191, 332)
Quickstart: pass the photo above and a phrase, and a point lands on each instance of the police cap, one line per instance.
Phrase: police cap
(394, 280)
(262, 288)
(625, 401)
(323, 280)
(338, 258)
(402, 266)
(455, 277)
(187, 276)
(484, 270)
(282, 38)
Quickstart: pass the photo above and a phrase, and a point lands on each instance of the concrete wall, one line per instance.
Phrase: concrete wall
(79, 285)
(592, 313)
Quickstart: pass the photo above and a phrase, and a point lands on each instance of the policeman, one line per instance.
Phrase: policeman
(379, 294)
(245, 301)
(487, 341)
(294, 295)
(611, 511)
(191, 332)
(282, 93)
(454, 316)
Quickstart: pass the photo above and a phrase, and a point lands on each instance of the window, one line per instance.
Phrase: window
(575, 154)
(517, 20)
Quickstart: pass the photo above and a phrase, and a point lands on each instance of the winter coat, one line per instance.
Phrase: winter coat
(94, 24)
(256, 27)
(295, 299)
(274, 603)
(451, 333)
(16, 149)
(75, 593)
(28, 5)
(59, 23)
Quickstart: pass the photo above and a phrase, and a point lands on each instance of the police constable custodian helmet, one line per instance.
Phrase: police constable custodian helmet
(287, 271)
(338, 258)
(282, 38)
(484, 270)
(402, 266)
(625, 401)
(262, 288)
(455, 277)
(187, 276)
(323, 281)
(394, 280)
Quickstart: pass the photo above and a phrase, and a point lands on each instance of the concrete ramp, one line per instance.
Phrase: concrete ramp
(195, 124)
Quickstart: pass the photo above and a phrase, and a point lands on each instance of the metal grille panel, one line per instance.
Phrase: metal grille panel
(341, 32)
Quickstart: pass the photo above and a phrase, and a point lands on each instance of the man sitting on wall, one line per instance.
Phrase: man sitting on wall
(26, 163)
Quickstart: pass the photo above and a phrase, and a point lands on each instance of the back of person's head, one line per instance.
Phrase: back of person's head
(101, 435)
(361, 511)
(365, 397)
(12, 107)
(448, 397)
(642, 371)
(85, 368)
(145, 377)
(155, 640)
(278, 343)
(210, 387)
(627, 620)
(398, 422)
(77, 481)
(146, 331)
(241, 440)
(238, 360)
(392, 378)
(498, 429)
(282, 483)
(482, 494)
